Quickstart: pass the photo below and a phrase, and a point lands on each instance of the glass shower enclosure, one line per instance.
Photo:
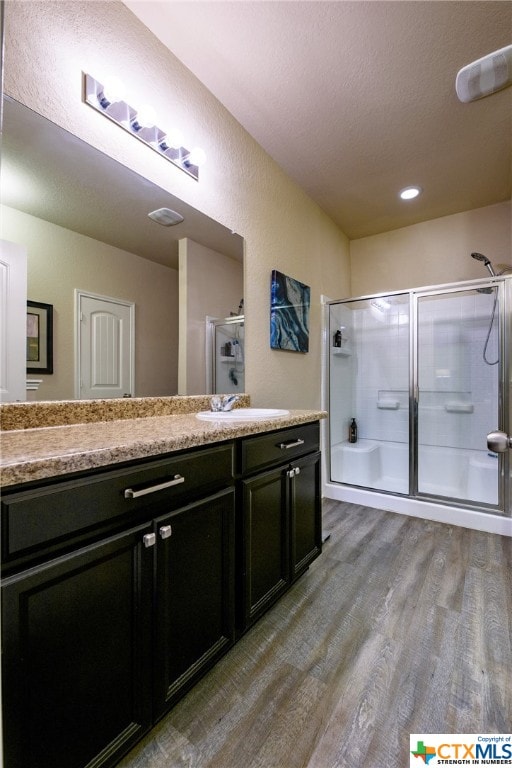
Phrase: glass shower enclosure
(425, 374)
(225, 354)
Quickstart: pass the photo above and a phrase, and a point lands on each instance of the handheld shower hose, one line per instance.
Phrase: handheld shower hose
(487, 263)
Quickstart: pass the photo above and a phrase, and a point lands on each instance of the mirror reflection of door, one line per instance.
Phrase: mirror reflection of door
(105, 347)
(13, 316)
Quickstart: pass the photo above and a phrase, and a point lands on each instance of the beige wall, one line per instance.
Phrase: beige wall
(433, 252)
(49, 44)
(59, 261)
(211, 284)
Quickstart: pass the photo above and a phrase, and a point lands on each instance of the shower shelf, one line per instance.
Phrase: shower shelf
(455, 407)
(343, 351)
(388, 404)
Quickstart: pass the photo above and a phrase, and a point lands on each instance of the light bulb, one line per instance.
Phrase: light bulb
(146, 116)
(114, 90)
(196, 157)
(174, 139)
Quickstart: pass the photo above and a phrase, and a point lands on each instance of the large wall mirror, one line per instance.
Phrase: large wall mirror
(83, 219)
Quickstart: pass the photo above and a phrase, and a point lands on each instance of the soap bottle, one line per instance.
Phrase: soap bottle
(352, 432)
(336, 340)
(227, 349)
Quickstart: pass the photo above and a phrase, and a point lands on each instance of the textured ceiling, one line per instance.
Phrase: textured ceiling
(355, 100)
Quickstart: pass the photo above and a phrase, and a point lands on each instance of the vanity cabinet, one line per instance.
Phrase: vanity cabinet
(121, 586)
(102, 636)
(195, 594)
(281, 526)
(305, 513)
(266, 536)
(76, 655)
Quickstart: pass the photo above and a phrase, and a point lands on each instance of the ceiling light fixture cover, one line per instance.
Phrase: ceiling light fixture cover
(166, 217)
(485, 76)
(409, 193)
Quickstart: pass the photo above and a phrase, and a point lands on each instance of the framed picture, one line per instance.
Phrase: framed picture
(39, 337)
(289, 313)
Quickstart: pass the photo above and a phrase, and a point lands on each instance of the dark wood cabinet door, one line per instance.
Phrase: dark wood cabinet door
(76, 634)
(305, 509)
(266, 562)
(195, 615)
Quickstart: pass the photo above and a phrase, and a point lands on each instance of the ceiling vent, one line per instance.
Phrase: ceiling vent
(487, 75)
(166, 217)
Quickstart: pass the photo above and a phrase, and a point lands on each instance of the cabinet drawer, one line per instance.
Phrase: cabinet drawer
(64, 510)
(279, 447)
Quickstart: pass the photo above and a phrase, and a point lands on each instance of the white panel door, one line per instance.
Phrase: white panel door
(105, 347)
(13, 322)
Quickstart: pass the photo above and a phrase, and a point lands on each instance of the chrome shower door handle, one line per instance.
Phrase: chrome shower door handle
(498, 441)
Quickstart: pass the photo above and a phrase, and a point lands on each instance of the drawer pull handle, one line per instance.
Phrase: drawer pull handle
(291, 444)
(165, 531)
(131, 494)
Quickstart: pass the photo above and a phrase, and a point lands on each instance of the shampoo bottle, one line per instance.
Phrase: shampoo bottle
(352, 432)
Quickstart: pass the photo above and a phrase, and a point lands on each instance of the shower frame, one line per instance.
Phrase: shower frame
(212, 324)
(462, 512)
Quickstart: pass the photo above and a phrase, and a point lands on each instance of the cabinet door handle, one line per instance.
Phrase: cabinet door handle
(291, 444)
(296, 471)
(149, 539)
(131, 494)
(165, 531)
(293, 472)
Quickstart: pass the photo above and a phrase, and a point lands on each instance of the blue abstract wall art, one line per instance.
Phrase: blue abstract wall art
(289, 313)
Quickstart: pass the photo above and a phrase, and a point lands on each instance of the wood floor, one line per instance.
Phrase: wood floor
(401, 626)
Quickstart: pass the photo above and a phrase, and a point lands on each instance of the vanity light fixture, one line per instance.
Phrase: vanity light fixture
(108, 99)
(409, 193)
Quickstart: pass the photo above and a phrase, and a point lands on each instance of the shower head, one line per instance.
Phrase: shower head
(480, 257)
(487, 263)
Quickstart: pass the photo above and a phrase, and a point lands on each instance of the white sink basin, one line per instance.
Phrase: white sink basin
(242, 414)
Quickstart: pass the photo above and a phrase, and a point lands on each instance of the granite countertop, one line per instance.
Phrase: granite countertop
(44, 452)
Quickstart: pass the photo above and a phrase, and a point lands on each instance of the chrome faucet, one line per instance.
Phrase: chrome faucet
(223, 402)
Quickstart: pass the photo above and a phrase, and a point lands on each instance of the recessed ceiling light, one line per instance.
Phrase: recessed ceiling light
(409, 193)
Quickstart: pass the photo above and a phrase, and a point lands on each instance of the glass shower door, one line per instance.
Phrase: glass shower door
(225, 354)
(458, 370)
(369, 383)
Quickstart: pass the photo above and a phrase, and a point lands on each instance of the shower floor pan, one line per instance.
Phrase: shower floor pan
(452, 472)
